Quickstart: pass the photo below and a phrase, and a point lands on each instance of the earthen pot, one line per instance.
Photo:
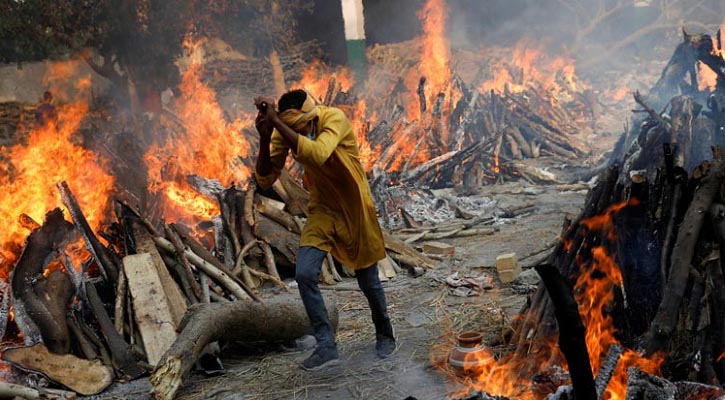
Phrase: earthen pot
(468, 353)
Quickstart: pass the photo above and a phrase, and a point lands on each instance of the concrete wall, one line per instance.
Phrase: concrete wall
(67, 80)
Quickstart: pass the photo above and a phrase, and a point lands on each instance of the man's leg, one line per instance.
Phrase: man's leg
(309, 264)
(370, 285)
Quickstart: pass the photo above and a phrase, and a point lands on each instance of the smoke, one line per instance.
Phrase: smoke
(598, 34)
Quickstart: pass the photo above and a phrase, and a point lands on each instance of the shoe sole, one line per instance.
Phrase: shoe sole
(326, 365)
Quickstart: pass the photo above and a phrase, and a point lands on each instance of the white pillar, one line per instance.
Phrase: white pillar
(352, 13)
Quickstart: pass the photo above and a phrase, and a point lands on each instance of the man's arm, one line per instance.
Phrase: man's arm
(287, 133)
(272, 153)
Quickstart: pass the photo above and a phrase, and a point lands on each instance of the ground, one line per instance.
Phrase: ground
(425, 313)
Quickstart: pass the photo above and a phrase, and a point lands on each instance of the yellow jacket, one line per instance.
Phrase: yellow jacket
(341, 214)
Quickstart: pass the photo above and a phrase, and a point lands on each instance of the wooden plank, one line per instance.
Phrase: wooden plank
(145, 244)
(405, 254)
(386, 267)
(82, 376)
(152, 311)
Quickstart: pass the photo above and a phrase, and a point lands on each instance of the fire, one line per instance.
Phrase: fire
(32, 169)
(707, 78)
(360, 123)
(530, 65)
(510, 375)
(317, 76)
(434, 62)
(619, 93)
(209, 146)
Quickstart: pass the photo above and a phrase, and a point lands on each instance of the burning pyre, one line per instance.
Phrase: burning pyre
(451, 129)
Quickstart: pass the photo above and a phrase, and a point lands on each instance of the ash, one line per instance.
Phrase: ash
(402, 206)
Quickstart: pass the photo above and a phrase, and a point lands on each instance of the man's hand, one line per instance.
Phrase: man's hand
(266, 107)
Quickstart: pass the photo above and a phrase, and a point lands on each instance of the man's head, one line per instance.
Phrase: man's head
(298, 110)
(292, 99)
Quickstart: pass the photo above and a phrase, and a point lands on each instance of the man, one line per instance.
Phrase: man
(341, 215)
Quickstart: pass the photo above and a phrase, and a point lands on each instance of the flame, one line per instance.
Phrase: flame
(619, 93)
(434, 62)
(67, 80)
(207, 145)
(28, 178)
(316, 78)
(77, 253)
(530, 65)
(707, 78)
(360, 123)
(510, 375)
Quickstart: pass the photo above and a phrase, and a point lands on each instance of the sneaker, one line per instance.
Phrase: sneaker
(322, 357)
(385, 346)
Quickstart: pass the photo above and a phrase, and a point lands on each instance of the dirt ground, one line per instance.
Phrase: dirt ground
(425, 312)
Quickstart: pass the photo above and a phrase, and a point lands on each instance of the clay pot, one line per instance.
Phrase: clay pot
(469, 353)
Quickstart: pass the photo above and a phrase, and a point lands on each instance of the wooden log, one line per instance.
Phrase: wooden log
(188, 281)
(234, 286)
(86, 348)
(152, 312)
(277, 236)
(82, 376)
(401, 252)
(92, 337)
(278, 319)
(121, 353)
(27, 222)
(120, 303)
(145, 244)
(264, 207)
(269, 261)
(665, 319)
(14, 391)
(32, 315)
(606, 371)
(108, 267)
(572, 339)
(298, 196)
(248, 211)
(197, 251)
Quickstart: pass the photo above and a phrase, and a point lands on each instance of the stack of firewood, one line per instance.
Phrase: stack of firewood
(665, 197)
(115, 311)
(15, 118)
(479, 137)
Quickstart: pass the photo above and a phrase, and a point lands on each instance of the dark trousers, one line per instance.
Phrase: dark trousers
(309, 264)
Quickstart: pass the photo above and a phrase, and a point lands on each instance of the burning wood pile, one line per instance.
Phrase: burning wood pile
(453, 133)
(635, 287)
(90, 313)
